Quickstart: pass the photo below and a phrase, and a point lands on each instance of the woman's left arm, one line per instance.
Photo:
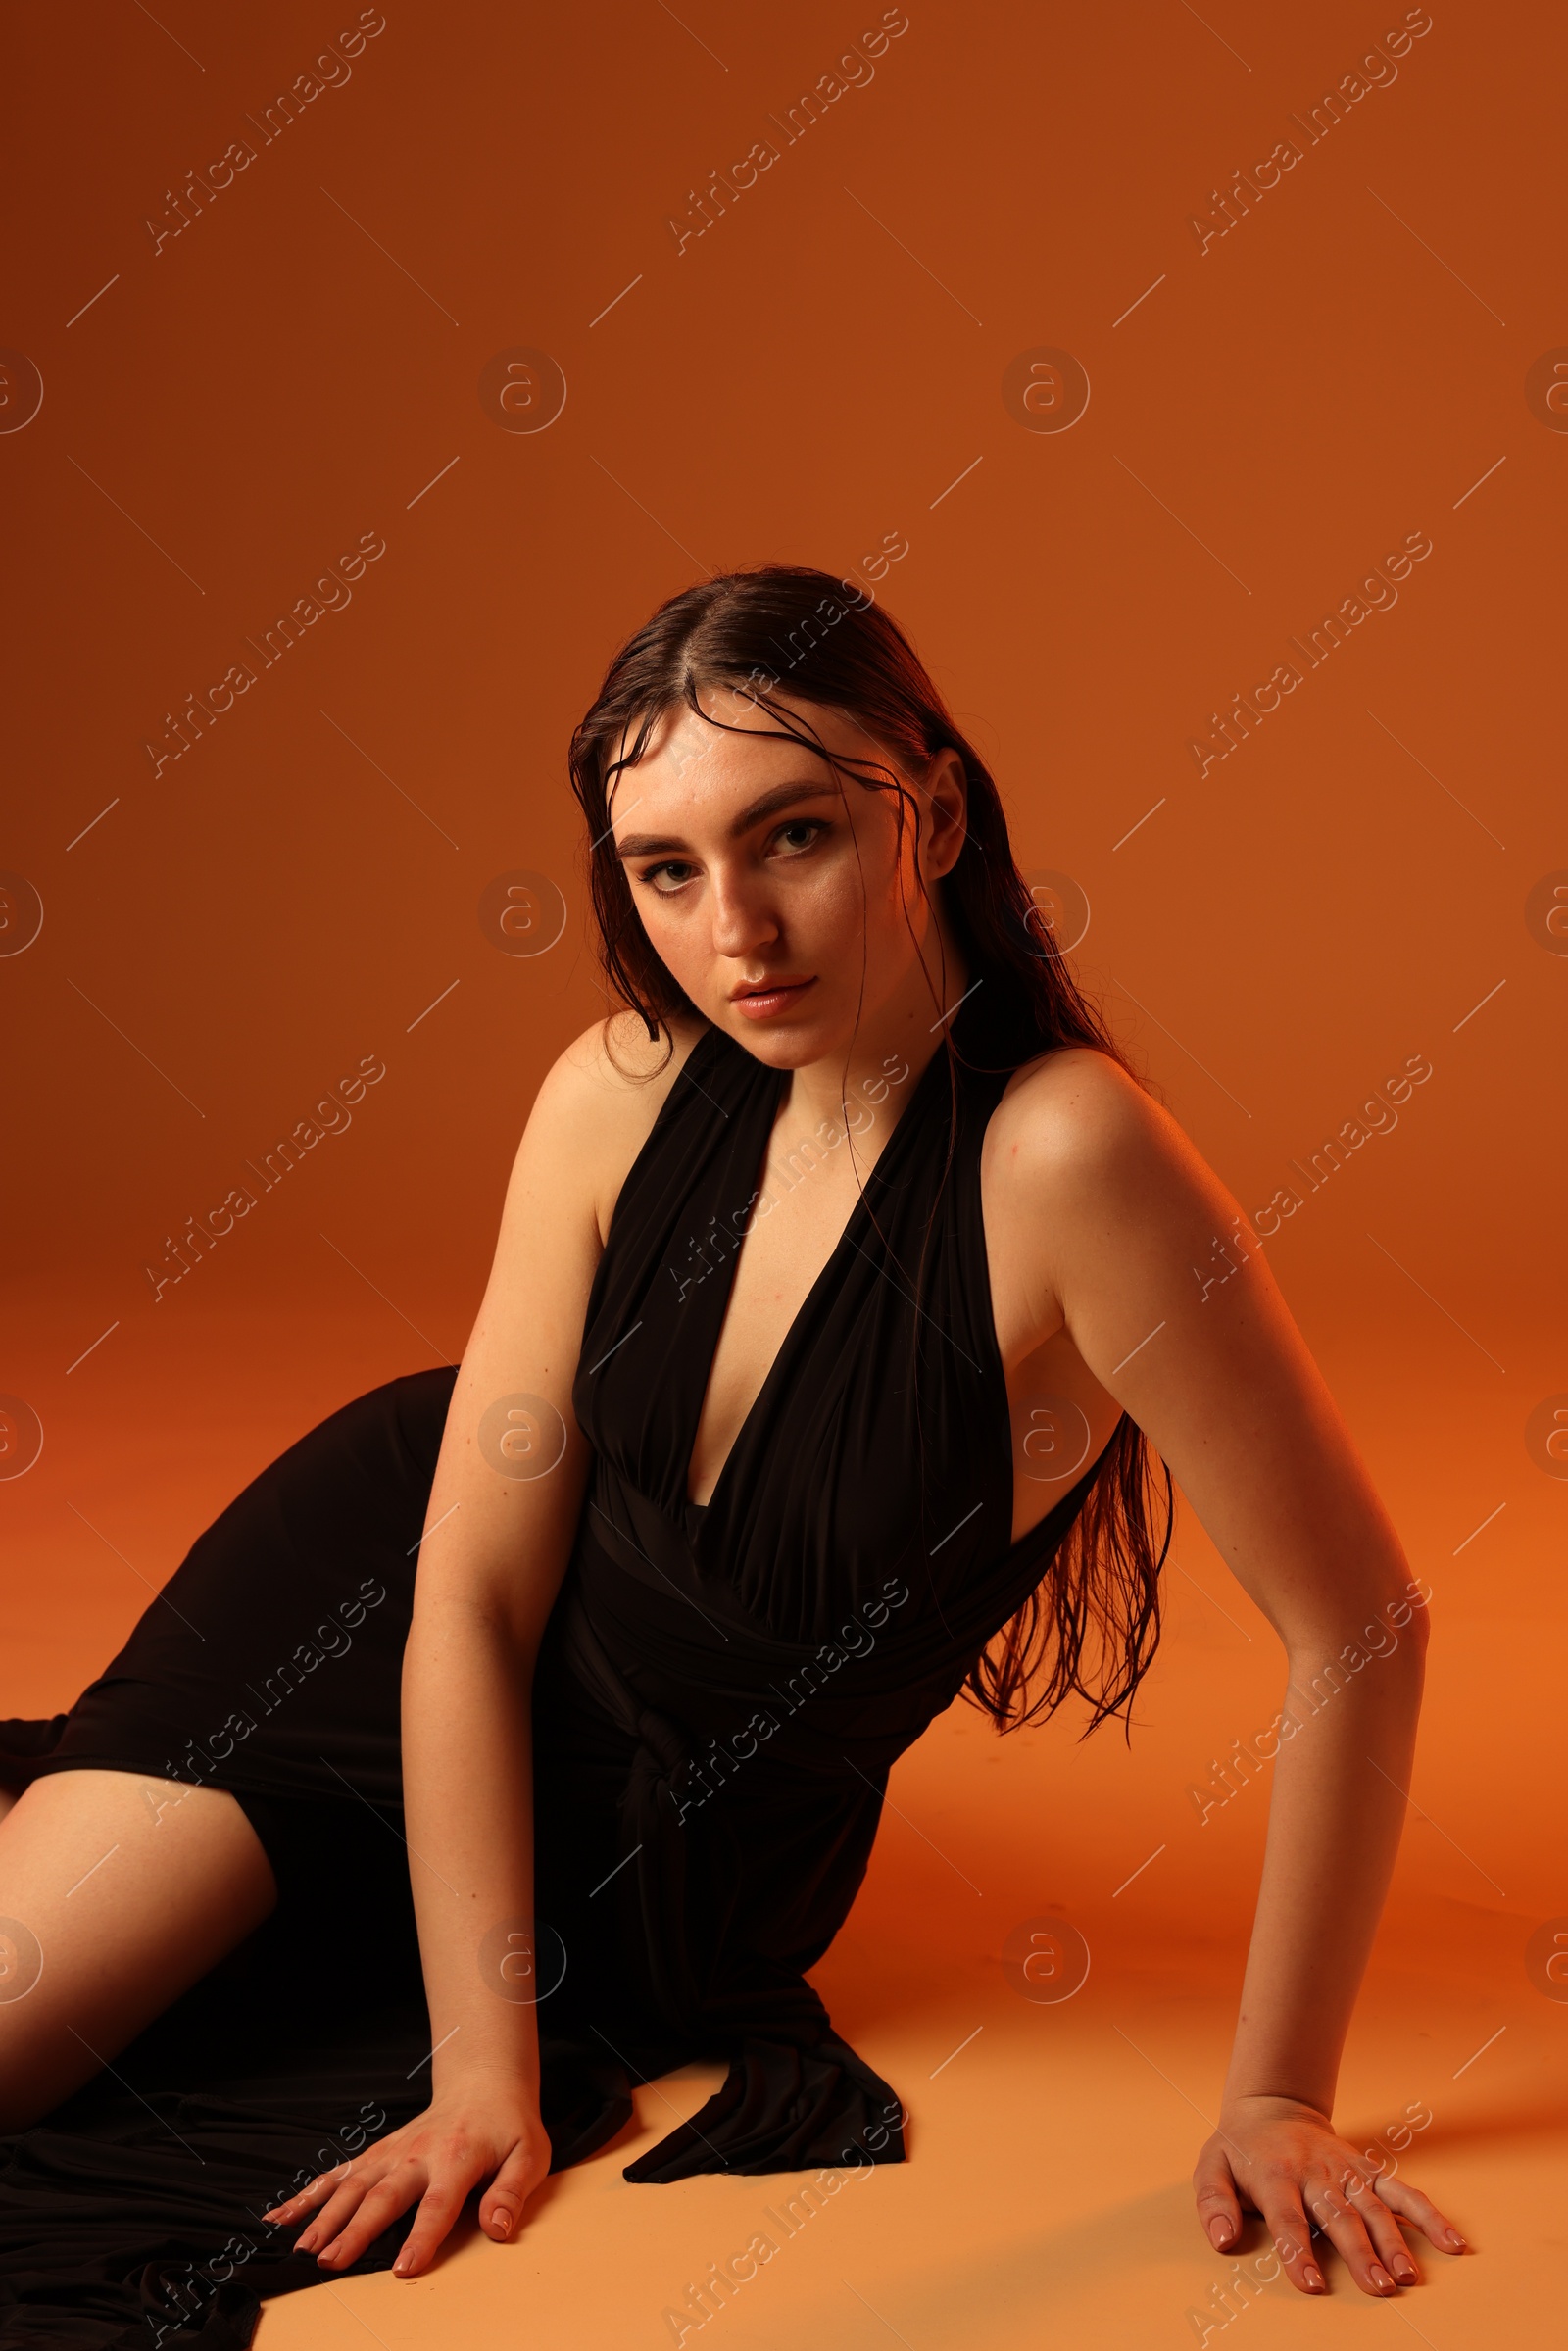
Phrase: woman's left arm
(1123, 1237)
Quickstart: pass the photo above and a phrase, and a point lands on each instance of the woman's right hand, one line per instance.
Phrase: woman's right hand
(466, 2135)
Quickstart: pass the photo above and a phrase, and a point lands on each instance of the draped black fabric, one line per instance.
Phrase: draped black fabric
(720, 1695)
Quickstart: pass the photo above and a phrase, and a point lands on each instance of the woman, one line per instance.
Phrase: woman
(854, 1201)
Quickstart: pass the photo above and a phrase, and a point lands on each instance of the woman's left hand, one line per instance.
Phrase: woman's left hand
(1282, 2159)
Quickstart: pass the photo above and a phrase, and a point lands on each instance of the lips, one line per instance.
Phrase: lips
(771, 998)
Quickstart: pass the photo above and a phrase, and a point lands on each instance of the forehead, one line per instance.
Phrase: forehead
(733, 748)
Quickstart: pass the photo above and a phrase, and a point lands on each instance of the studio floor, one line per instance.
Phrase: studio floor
(1046, 2193)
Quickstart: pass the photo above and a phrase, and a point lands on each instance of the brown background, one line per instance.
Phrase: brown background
(811, 376)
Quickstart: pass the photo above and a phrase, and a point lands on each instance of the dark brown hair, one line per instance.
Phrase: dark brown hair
(826, 643)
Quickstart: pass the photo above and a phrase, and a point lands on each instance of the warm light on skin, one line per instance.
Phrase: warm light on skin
(748, 862)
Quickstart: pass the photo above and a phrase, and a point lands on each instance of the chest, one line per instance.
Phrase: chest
(1059, 1416)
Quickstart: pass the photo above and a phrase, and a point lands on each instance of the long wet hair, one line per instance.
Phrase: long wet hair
(828, 643)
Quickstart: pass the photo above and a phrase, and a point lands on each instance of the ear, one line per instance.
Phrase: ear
(947, 827)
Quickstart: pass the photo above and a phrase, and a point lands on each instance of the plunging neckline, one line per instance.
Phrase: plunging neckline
(699, 1512)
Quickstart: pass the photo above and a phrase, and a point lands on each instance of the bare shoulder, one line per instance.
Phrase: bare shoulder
(599, 1101)
(1077, 1115)
(1089, 1184)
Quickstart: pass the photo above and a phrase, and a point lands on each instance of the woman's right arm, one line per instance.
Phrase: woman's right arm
(503, 1514)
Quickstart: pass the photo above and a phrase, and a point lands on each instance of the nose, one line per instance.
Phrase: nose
(743, 924)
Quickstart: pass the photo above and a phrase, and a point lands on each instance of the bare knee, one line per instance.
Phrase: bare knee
(117, 1892)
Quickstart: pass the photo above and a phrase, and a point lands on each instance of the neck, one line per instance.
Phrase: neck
(889, 1049)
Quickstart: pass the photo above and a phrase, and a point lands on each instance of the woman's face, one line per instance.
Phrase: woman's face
(782, 903)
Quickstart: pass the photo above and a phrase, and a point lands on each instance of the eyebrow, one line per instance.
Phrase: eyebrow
(782, 796)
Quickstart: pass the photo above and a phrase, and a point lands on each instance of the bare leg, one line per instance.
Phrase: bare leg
(126, 1889)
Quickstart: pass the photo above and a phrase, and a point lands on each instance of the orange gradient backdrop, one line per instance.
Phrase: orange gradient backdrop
(1307, 341)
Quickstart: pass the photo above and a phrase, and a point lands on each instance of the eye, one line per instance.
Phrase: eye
(676, 867)
(800, 834)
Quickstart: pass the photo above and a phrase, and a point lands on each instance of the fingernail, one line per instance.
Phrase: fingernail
(1381, 2278)
(502, 2224)
(1451, 2237)
(1219, 2230)
(302, 2244)
(402, 2266)
(1314, 2279)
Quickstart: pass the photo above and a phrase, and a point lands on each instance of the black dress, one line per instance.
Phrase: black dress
(719, 1697)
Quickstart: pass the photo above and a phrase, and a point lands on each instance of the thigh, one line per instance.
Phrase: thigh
(117, 1892)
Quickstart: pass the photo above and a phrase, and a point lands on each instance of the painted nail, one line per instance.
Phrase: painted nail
(1381, 2278)
(402, 2266)
(1451, 2237)
(1406, 2272)
(1219, 2230)
(1313, 2280)
(502, 2223)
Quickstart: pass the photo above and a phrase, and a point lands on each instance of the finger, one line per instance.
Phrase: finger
(1420, 2211)
(439, 2207)
(308, 2196)
(329, 2222)
(1383, 2230)
(376, 2209)
(1219, 2208)
(1291, 2230)
(501, 2205)
(1344, 2230)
